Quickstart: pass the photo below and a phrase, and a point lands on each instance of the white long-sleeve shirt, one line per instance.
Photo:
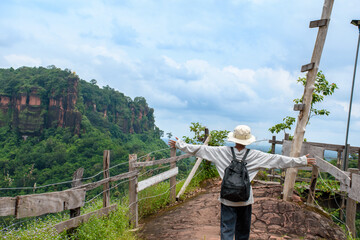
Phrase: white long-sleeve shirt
(222, 157)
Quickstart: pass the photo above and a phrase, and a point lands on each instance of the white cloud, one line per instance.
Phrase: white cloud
(231, 84)
(230, 61)
(162, 99)
(244, 75)
(257, 2)
(15, 60)
(355, 108)
(171, 63)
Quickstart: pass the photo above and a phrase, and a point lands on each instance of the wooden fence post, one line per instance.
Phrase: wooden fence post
(273, 144)
(106, 186)
(351, 208)
(77, 176)
(173, 179)
(314, 176)
(133, 196)
(286, 137)
(346, 158)
(339, 162)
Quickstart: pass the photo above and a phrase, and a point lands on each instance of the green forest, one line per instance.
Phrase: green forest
(52, 123)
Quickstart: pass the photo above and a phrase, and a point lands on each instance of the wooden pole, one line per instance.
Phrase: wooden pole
(173, 179)
(192, 173)
(351, 208)
(106, 186)
(77, 176)
(133, 197)
(282, 172)
(307, 99)
(338, 162)
(273, 145)
(314, 176)
(346, 162)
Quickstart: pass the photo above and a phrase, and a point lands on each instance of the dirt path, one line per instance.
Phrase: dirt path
(199, 218)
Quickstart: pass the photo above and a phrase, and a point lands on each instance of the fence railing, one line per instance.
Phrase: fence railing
(349, 180)
(73, 199)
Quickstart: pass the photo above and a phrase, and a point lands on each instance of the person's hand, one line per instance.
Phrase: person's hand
(172, 143)
(310, 161)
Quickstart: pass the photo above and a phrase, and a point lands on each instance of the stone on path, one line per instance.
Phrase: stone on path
(272, 218)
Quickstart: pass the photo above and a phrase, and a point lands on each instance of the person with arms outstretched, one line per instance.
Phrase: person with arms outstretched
(236, 216)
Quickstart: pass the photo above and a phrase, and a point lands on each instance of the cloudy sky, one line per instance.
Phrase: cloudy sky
(220, 63)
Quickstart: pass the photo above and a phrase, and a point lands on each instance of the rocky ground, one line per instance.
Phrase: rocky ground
(272, 218)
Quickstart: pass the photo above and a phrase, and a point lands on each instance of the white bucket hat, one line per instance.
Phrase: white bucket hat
(241, 135)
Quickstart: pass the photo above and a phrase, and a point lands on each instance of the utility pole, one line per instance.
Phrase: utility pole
(303, 117)
(346, 154)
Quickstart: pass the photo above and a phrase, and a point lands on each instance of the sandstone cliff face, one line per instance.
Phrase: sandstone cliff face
(62, 110)
(33, 99)
(22, 111)
(26, 113)
(130, 118)
(107, 106)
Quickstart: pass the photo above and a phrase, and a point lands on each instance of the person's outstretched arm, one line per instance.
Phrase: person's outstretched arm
(210, 153)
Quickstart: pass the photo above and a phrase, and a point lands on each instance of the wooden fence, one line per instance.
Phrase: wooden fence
(74, 198)
(349, 180)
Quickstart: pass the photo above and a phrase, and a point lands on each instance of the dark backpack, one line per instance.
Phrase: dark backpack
(235, 185)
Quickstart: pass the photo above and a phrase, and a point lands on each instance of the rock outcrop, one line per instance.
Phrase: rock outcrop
(33, 99)
(288, 220)
(26, 112)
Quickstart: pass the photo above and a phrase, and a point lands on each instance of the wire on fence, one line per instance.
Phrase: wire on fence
(60, 183)
(261, 140)
(83, 179)
(17, 223)
(127, 180)
(148, 154)
(70, 181)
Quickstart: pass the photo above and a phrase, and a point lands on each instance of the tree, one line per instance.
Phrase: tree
(217, 136)
(93, 81)
(286, 124)
(217, 139)
(322, 88)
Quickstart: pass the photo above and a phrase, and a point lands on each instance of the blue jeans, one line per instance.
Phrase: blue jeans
(235, 221)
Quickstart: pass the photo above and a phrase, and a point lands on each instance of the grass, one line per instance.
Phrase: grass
(114, 226)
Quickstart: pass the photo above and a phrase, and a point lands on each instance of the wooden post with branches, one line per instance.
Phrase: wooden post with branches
(77, 176)
(133, 196)
(273, 144)
(106, 186)
(173, 179)
(303, 116)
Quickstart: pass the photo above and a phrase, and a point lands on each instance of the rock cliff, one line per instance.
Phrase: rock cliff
(33, 99)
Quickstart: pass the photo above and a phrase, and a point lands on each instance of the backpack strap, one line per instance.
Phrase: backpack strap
(234, 157)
